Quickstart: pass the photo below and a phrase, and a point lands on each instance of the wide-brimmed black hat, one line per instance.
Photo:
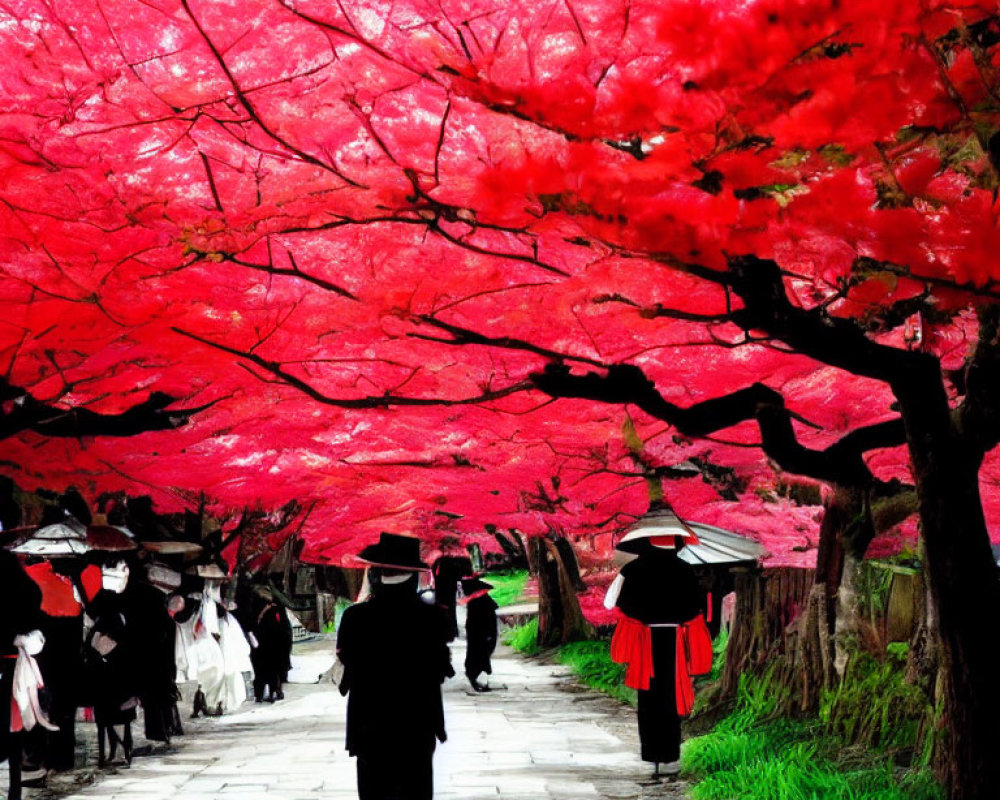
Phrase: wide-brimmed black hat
(394, 551)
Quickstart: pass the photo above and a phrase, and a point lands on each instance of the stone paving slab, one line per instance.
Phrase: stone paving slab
(539, 738)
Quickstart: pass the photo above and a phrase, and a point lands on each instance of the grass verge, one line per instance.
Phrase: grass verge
(508, 587)
(754, 754)
(523, 638)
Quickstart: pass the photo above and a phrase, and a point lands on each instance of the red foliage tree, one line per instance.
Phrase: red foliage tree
(368, 239)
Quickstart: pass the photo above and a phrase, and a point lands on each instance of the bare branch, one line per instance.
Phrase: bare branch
(25, 413)
(370, 401)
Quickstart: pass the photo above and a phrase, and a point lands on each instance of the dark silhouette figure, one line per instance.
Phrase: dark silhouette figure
(661, 592)
(20, 601)
(60, 662)
(271, 655)
(447, 572)
(110, 669)
(153, 634)
(480, 630)
(394, 650)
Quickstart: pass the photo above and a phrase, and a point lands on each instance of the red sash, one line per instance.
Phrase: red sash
(632, 644)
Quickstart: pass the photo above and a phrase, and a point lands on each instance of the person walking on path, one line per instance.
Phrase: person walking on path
(480, 630)
(448, 571)
(395, 656)
(659, 636)
(270, 635)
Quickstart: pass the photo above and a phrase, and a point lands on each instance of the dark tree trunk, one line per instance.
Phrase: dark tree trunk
(965, 591)
(767, 602)
(560, 618)
(353, 580)
(964, 586)
(569, 562)
(513, 549)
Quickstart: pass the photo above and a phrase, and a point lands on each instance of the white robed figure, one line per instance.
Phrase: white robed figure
(213, 650)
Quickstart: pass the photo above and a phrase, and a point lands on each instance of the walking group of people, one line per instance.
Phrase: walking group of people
(104, 630)
(100, 632)
(395, 657)
(394, 651)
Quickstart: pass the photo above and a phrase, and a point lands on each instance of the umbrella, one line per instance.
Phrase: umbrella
(65, 538)
(110, 538)
(704, 544)
(163, 577)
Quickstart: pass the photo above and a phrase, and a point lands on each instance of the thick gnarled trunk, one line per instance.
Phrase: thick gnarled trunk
(964, 586)
(966, 593)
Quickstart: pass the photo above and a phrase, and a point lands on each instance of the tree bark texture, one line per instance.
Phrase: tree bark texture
(767, 602)
(560, 618)
(966, 592)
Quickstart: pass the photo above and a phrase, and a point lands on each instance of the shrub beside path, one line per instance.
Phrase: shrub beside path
(544, 737)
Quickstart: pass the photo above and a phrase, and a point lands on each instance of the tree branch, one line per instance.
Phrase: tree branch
(386, 400)
(22, 412)
(623, 383)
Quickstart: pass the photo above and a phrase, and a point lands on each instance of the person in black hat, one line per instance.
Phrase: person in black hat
(657, 594)
(394, 650)
(480, 630)
(271, 646)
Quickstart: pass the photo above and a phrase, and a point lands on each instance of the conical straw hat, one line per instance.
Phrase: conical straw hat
(704, 544)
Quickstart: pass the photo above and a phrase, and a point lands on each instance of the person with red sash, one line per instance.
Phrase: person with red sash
(394, 652)
(480, 630)
(61, 580)
(660, 638)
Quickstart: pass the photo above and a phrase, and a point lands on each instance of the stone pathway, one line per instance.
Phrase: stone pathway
(541, 738)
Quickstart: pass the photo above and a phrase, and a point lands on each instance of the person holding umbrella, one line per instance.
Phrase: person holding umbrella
(658, 632)
(394, 652)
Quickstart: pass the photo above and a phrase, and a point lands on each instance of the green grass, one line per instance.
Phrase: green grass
(592, 664)
(508, 587)
(754, 754)
(875, 707)
(338, 611)
(524, 638)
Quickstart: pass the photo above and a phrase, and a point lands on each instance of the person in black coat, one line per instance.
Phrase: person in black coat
(448, 571)
(271, 647)
(152, 633)
(60, 663)
(661, 592)
(394, 651)
(112, 663)
(480, 630)
(20, 603)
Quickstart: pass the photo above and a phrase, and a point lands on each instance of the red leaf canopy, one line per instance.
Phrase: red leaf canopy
(355, 230)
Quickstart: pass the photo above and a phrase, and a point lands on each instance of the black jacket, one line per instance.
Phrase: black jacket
(659, 588)
(395, 655)
(480, 634)
(20, 601)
